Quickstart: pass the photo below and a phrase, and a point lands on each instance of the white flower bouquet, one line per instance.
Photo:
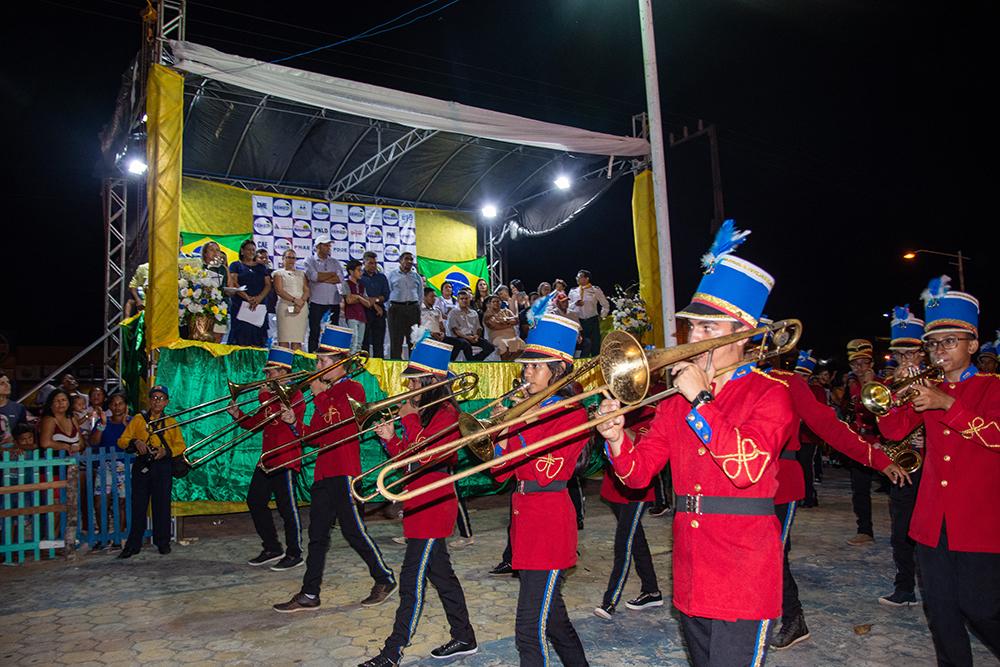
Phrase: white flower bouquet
(199, 294)
(629, 313)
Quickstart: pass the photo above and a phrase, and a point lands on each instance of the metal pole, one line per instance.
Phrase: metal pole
(961, 272)
(713, 149)
(659, 171)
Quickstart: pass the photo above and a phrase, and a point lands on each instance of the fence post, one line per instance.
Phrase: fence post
(72, 489)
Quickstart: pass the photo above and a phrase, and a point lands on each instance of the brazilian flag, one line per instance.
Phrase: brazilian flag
(191, 243)
(459, 274)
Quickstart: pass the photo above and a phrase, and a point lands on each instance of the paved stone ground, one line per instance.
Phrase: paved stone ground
(202, 606)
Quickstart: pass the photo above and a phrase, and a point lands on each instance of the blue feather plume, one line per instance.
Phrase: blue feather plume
(418, 333)
(900, 315)
(538, 309)
(726, 240)
(936, 289)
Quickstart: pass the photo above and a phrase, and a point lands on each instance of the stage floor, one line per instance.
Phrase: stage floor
(202, 606)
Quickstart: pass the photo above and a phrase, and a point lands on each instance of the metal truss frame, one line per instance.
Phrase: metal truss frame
(115, 194)
(384, 157)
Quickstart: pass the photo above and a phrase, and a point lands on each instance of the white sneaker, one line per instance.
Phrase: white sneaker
(462, 542)
(399, 540)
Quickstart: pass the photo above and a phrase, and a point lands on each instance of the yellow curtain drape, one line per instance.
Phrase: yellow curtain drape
(446, 235)
(647, 251)
(164, 124)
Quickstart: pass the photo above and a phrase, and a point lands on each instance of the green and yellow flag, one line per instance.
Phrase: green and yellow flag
(459, 274)
(191, 243)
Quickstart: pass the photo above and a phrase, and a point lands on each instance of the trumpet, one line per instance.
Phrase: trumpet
(880, 398)
(367, 417)
(901, 452)
(627, 370)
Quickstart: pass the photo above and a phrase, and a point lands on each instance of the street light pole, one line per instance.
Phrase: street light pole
(957, 256)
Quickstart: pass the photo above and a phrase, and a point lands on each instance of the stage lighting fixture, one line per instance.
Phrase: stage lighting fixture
(562, 182)
(137, 167)
(489, 211)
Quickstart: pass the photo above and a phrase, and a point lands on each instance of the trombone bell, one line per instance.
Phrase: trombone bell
(482, 447)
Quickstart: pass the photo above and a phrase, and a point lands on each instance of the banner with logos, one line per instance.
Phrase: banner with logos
(280, 223)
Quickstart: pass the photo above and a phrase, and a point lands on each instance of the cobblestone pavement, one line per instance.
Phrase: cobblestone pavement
(202, 605)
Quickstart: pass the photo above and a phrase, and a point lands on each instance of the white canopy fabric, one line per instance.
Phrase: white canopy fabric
(417, 111)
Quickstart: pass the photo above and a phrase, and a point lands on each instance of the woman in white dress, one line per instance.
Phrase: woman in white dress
(293, 295)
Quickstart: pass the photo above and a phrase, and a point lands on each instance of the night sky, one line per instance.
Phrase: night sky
(849, 132)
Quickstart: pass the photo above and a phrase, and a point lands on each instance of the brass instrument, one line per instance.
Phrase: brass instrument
(880, 398)
(280, 393)
(627, 370)
(368, 416)
(901, 452)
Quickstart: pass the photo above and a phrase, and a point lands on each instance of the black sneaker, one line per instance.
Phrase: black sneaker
(502, 568)
(380, 593)
(379, 661)
(164, 550)
(791, 633)
(299, 602)
(899, 599)
(605, 611)
(658, 510)
(287, 563)
(127, 552)
(266, 558)
(645, 600)
(453, 649)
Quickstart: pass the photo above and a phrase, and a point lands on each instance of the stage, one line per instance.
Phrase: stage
(202, 605)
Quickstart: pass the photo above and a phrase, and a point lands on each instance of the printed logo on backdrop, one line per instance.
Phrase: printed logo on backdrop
(377, 249)
(339, 251)
(320, 228)
(301, 209)
(302, 248)
(390, 216)
(338, 231)
(356, 233)
(390, 235)
(338, 212)
(407, 236)
(320, 210)
(374, 235)
(262, 226)
(282, 208)
(356, 214)
(264, 243)
(262, 205)
(302, 229)
(280, 246)
(357, 250)
(373, 215)
(391, 253)
(283, 227)
(407, 218)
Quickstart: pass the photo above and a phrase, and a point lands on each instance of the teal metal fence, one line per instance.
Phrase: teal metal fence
(37, 504)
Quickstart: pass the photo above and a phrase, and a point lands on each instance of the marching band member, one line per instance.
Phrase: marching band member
(543, 521)
(428, 520)
(331, 491)
(279, 484)
(954, 521)
(721, 435)
(986, 360)
(859, 358)
(152, 471)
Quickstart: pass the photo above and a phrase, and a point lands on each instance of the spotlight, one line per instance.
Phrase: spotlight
(489, 211)
(562, 182)
(137, 167)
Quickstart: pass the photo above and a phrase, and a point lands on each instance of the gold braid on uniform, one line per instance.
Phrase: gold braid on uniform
(742, 457)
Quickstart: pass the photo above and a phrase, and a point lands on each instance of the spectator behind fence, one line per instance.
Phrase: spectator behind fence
(463, 324)
(500, 326)
(405, 289)
(246, 272)
(110, 474)
(24, 438)
(67, 383)
(325, 273)
(587, 301)
(293, 294)
(58, 428)
(377, 291)
(137, 290)
(355, 303)
(12, 413)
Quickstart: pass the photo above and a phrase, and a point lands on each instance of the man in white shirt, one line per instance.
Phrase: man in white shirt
(587, 301)
(432, 320)
(405, 290)
(463, 325)
(324, 274)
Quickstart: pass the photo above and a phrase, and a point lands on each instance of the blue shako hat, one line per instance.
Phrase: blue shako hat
(907, 330)
(281, 357)
(335, 340)
(552, 339)
(732, 289)
(987, 350)
(429, 357)
(806, 363)
(947, 311)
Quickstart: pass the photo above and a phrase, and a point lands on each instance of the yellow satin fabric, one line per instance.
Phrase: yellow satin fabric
(647, 256)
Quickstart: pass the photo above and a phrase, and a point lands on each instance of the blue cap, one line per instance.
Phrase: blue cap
(806, 363)
(732, 288)
(947, 311)
(280, 356)
(761, 321)
(988, 350)
(159, 389)
(907, 330)
(552, 339)
(335, 340)
(429, 357)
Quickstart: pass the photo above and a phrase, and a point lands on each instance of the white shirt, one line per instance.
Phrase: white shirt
(592, 298)
(463, 322)
(430, 318)
(444, 306)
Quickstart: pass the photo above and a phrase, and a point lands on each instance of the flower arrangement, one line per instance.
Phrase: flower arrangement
(199, 294)
(629, 313)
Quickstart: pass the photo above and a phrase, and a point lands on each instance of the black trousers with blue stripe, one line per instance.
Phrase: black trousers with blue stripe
(427, 560)
(790, 604)
(630, 544)
(542, 618)
(279, 485)
(715, 643)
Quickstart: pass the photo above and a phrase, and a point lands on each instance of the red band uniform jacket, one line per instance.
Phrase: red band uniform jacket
(960, 486)
(331, 406)
(276, 432)
(726, 567)
(613, 489)
(543, 525)
(433, 514)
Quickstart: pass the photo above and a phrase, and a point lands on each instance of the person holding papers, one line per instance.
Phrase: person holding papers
(249, 313)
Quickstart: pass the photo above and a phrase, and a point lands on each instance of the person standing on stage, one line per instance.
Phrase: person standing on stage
(859, 358)
(429, 519)
(377, 289)
(954, 522)
(588, 301)
(152, 470)
(279, 484)
(255, 278)
(331, 490)
(324, 273)
(722, 435)
(543, 522)
(406, 288)
(355, 303)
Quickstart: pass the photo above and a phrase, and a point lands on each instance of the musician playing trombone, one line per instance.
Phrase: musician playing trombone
(279, 484)
(427, 521)
(721, 436)
(331, 490)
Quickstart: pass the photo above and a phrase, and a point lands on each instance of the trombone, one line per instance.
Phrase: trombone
(367, 416)
(627, 372)
(880, 398)
(280, 392)
(483, 453)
